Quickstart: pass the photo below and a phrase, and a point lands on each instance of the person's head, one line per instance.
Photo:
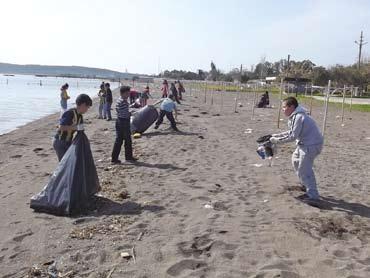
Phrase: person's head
(289, 105)
(165, 81)
(83, 103)
(172, 84)
(146, 89)
(124, 91)
(102, 86)
(65, 87)
(107, 85)
(171, 97)
(267, 93)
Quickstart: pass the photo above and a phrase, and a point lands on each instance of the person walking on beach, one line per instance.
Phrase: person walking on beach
(144, 96)
(69, 124)
(108, 102)
(166, 109)
(309, 141)
(175, 93)
(64, 97)
(123, 130)
(164, 89)
(101, 96)
(180, 89)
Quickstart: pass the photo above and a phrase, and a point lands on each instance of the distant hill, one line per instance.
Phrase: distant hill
(67, 71)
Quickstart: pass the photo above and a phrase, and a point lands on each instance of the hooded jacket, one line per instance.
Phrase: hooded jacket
(302, 129)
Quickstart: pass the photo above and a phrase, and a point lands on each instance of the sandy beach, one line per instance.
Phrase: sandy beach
(197, 204)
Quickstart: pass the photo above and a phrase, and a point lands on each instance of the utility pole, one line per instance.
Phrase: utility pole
(360, 44)
(241, 73)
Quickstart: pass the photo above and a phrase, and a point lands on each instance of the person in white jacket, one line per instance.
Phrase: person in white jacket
(309, 141)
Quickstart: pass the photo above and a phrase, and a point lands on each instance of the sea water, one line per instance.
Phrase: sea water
(25, 98)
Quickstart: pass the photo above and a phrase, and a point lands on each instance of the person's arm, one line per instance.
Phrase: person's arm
(67, 127)
(65, 122)
(175, 109)
(292, 134)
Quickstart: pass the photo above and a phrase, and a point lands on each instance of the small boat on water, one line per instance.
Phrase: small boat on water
(8, 74)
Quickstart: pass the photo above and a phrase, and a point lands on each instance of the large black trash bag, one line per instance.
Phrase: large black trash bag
(73, 183)
(143, 119)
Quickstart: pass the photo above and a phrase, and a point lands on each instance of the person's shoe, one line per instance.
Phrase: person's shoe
(156, 127)
(109, 119)
(176, 129)
(132, 159)
(116, 161)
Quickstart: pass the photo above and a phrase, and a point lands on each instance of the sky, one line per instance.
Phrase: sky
(147, 37)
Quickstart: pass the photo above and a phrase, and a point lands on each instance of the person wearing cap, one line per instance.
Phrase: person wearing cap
(69, 123)
(166, 109)
(309, 141)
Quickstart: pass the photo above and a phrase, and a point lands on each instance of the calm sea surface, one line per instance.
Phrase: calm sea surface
(25, 98)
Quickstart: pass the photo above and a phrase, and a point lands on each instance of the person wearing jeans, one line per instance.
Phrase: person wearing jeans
(166, 109)
(108, 102)
(309, 140)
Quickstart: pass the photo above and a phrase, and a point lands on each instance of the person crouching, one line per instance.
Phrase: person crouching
(166, 109)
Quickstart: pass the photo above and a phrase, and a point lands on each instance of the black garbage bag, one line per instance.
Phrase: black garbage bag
(143, 119)
(73, 183)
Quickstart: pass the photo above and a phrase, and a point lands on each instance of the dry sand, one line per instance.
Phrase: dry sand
(197, 206)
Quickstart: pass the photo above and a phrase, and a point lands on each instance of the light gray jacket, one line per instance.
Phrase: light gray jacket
(302, 129)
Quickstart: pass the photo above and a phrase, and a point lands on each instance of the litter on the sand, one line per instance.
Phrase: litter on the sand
(367, 138)
(125, 255)
(209, 205)
(248, 130)
(257, 165)
(265, 201)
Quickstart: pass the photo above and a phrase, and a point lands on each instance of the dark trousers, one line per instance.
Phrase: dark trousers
(107, 110)
(123, 133)
(169, 116)
(60, 147)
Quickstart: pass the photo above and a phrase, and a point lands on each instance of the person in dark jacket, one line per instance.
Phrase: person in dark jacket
(264, 101)
(123, 129)
(108, 101)
(69, 123)
(175, 93)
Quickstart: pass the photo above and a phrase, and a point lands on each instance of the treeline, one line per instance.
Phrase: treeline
(339, 74)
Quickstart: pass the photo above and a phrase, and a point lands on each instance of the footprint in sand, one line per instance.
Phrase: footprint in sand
(16, 156)
(184, 265)
(20, 237)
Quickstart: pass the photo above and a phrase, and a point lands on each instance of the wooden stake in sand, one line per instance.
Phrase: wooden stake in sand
(222, 96)
(280, 99)
(254, 102)
(311, 99)
(212, 92)
(344, 97)
(350, 105)
(326, 108)
(205, 93)
(236, 102)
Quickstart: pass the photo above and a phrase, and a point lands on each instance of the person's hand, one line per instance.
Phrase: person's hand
(274, 140)
(80, 127)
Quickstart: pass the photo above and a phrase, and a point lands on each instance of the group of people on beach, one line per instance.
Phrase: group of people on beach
(176, 90)
(72, 119)
(301, 128)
